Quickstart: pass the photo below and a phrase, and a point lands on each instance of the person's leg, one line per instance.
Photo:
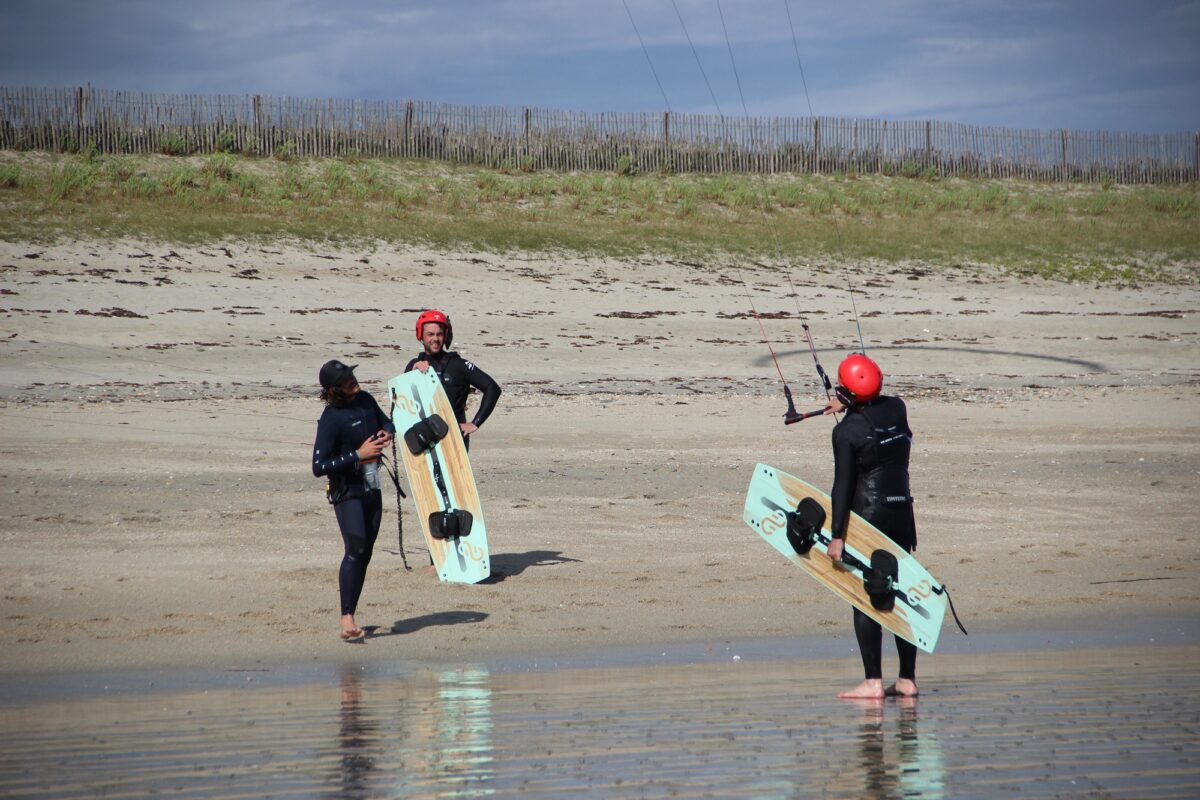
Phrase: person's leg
(357, 552)
(870, 644)
(372, 517)
(906, 683)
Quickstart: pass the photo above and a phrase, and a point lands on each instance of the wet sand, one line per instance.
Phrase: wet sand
(1094, 723)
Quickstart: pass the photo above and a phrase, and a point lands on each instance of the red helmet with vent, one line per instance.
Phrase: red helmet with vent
(861, 377)
(433, 315)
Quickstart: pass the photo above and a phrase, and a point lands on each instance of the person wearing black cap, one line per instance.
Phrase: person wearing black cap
(871, 447)
(458, 376)
(351, 434)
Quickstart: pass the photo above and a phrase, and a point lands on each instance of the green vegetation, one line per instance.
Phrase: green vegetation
(1087, 232)
(10, 176)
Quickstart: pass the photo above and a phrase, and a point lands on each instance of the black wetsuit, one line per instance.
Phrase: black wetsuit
(358, 508)
(871, 448)
(458, 376)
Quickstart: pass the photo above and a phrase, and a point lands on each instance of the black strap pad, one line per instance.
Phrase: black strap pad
(880, 580)
(450, 524)
(425, 434)
(804, 524)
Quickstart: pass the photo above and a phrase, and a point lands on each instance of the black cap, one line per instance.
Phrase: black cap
(334, 373)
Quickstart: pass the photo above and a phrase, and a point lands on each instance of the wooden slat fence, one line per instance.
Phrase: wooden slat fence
(537, 139)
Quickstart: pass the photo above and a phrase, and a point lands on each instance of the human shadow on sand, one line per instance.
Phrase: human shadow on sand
(506, 565)
(405, 626)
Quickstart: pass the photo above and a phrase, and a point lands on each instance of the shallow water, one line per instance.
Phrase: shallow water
(1121, 722)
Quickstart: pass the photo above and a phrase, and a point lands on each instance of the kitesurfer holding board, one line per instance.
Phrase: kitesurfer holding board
(871, 448)
(458, 377)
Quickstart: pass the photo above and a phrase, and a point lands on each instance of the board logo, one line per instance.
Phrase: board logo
(772, 524)
(406, 405)
(919, 592)
(470, 551)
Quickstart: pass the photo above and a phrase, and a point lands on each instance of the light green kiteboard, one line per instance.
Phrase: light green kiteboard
(440, 477)
(908, 601)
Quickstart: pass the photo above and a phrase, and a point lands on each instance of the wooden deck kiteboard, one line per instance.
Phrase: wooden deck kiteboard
(417, 395)
(920, 600)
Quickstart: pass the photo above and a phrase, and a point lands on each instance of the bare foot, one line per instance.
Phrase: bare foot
(903, 687)
(350, 629)
(429, 570)
(870, 689)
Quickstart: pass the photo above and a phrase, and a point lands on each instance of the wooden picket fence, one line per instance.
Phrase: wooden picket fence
(539, 139)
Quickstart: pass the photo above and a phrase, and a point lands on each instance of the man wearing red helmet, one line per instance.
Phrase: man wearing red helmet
(871, 447)
(458, 375)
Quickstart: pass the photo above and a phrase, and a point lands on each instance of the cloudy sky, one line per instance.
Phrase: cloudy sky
(1131, 65)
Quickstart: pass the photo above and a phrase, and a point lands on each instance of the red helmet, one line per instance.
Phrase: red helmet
(861, 377)
(433, 315)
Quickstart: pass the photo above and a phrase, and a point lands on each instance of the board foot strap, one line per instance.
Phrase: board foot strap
(451, 522)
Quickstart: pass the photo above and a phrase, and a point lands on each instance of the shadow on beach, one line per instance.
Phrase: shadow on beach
(506, 565)
(439, 618)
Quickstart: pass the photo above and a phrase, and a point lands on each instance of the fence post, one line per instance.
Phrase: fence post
(527, 154)
(1197, 161)
(408, 120)
(667, 160)
(817, 145)
(882, 148)
(78, 118)
(1064, 154)
(928, 143)
(256, 103)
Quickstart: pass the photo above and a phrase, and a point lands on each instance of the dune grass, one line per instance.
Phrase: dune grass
(1062, 231)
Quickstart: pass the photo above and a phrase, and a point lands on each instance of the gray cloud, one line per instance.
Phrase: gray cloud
(1021, 63)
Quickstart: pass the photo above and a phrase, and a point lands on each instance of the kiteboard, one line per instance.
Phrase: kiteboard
(793, 517)
(440, 477)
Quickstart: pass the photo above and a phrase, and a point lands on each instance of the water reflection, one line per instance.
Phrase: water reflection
(358, 740)
(1110, 726)
(425, 736)
(907, 765)
(460, 754)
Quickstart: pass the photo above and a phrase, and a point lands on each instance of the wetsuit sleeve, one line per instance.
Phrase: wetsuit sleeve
(491, 392)
(845, 479)
(325, 461)
(411, 364)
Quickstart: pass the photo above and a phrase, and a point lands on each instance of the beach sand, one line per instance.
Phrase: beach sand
(158, 404)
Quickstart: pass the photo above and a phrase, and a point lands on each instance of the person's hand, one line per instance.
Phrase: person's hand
(421, 366)
(467, 428)
(371, 448)
(836, 546)
(835, 407)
